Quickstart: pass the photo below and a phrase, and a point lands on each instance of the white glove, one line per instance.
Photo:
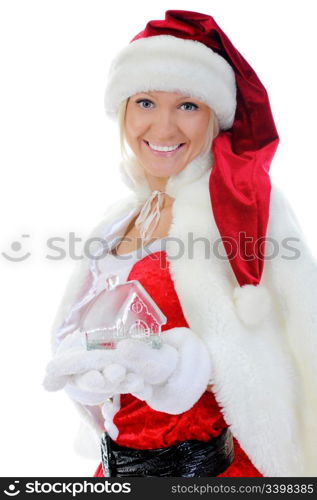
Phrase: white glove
(79, 370)
(91, 377)
(170, 379)
(189, 379)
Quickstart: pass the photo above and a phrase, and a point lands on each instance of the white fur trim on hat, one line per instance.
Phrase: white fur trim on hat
(168, 63)
(253, 303)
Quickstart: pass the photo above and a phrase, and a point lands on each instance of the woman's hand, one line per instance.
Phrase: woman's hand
(72, 359)
(79, 371)
(169, 379)
(188, 380)
(155, 366)
(91, 377)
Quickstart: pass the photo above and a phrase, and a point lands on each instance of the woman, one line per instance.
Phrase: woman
(232, 391)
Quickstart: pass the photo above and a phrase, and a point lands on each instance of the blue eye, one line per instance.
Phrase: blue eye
(190, 106)
(144, 103)
(148, 104)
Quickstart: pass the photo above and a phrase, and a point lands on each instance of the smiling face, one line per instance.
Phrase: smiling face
(166, 131)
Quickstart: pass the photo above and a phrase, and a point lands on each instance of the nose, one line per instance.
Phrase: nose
(164, 126)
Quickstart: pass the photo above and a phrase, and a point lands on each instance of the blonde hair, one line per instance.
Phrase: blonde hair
(213, 130)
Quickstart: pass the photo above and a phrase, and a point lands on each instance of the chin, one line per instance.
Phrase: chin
(164, 172)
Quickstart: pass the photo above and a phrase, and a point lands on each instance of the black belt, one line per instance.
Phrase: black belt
(190, 458)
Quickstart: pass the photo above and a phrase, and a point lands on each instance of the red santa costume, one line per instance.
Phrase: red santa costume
(250, 328)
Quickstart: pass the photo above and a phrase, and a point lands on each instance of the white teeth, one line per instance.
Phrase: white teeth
(163, 148)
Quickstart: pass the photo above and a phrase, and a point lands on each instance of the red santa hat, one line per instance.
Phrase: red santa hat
(187, 52)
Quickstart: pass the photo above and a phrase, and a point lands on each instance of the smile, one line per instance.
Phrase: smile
(164, 151)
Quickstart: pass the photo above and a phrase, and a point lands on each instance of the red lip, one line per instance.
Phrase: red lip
(165, 154)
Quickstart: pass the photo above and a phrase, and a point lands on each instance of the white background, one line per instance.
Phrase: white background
(59, 157)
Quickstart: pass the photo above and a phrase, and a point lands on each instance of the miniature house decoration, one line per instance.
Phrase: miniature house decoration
(120, 311)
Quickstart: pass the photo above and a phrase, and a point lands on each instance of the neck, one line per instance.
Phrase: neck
(156, 183)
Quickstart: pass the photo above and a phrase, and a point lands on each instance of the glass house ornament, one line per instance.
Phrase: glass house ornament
(120, 311)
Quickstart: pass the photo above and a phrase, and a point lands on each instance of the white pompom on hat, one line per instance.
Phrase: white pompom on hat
(253, 303)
